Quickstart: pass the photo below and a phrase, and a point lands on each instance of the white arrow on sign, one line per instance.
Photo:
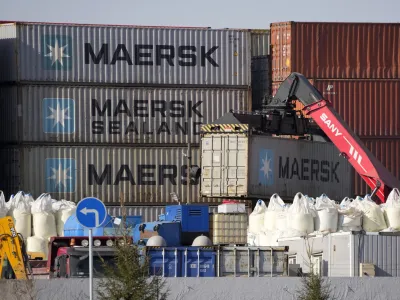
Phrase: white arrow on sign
(86, 211)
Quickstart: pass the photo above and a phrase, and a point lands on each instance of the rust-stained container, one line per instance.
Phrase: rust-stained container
(387, 151)
(105, 115)
(141, 175)
(369, 107)
(335, 50)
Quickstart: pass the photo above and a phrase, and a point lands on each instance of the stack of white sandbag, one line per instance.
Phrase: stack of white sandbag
(326, 219)
(350, 215)
(63, 209)
(19, 208)
(300, 217)
(256, 223)
(391, 210)
(373, 219)
(44, 224)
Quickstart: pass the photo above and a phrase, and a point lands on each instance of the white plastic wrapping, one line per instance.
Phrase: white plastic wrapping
(392, 210)
(275, 214)
(63, 210)
(44, 222)
(350, 216)
(37, 244)
(326, 219)
(3, 206)
(373, 218)
(19, 208)
(256, 218)
(300, 217)
(252, 239)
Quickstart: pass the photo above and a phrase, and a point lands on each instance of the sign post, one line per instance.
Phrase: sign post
(91, 213)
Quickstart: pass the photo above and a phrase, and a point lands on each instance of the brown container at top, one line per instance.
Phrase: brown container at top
(335, 50)
(369, 107)
(387, 151)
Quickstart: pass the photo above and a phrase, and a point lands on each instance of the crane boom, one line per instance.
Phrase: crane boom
(297, 87)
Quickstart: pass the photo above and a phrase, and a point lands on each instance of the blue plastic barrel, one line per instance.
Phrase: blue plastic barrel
(100, 230)
(72, 227)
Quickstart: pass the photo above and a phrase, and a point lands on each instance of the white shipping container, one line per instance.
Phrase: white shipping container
(96, 114)
(257, 166)
(141, 175)
(124, 54)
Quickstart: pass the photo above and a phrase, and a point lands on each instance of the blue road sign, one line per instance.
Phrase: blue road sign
(91, 212)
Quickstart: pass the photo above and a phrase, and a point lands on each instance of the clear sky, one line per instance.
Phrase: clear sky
(209, 13)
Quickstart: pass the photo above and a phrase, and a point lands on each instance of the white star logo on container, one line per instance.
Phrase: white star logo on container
(57, 53)
(266, 166)
(60, 175)
(59, 115)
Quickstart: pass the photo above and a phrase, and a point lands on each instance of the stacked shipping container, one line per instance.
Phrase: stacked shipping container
(107, 111)
(354, 65)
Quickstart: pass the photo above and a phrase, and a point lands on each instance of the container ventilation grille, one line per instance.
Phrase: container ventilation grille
(195, 212)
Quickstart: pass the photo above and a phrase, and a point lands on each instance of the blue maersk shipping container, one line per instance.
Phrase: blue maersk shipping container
(181, 261)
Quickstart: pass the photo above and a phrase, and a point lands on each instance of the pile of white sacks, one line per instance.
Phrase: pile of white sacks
(320, 216)
(37, 220)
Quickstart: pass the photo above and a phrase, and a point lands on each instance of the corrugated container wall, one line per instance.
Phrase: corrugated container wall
(95, 114)
(124, 55)
(260, 80)
(387, 151)
(369, 107)
(142, 175)
(260, 42)
(238, 166)
(335, 50)
(382, 251)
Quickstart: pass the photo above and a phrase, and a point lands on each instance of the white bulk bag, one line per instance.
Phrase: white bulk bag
(373, 218)
(19, 208)
(3, 206)
(37, 244)
(44, 222)
(301, 215)
(252, 239)
(326, 219)
(63, 210)
(350, 216)
(275, 211)
(392, 210)
(256, 218)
